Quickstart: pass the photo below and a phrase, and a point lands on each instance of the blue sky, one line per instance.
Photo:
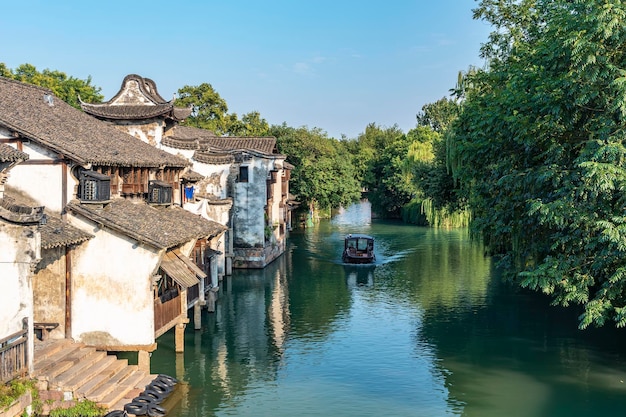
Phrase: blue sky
(336, 65)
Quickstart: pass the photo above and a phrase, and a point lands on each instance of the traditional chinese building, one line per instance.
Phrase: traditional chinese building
(240, 182)
(144, 260)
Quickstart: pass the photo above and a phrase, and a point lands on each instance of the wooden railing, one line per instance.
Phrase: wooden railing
(14, 356)
(193, 293)
(166, 311)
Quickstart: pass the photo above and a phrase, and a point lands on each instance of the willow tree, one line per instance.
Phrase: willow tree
(437, 201)
(540, 149)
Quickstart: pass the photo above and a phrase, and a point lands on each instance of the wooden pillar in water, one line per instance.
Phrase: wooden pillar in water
(211, 298)
(197, 316)
(179, 337)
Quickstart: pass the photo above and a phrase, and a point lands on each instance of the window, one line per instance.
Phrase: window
(243, 174)
(94, 187)
(159, 192)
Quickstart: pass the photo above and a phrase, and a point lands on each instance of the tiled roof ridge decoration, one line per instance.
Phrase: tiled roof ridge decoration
(146, 86)
(56, 232)
(34, 113)
(214, 158)
(10, 154)
(147, 104)
(19, 213)
(160, 227)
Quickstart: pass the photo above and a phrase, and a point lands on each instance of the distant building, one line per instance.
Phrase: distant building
(240, 182)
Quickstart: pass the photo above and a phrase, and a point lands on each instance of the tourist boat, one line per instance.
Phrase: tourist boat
(358, 249)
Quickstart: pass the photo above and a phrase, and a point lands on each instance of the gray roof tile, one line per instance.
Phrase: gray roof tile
(10, 154)
(159, 226)
(36, 114)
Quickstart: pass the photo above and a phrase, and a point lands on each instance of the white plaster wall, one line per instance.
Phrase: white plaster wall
(217, 188)
(42, 182)
(249, 206)
(20, 251)
(112, 295)
(149, 131)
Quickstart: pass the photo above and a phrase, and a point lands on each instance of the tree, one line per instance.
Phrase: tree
(388, 182)
(323, 176)
(251, 124)
(209, 110)
(68, 89)
(540, 150)
(438, 115)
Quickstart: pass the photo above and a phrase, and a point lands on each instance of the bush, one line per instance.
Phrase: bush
(13, 390)
(84, 408)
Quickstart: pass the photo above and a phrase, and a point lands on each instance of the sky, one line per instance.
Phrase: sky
(337, 65)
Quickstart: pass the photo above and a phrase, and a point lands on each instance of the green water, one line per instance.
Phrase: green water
(429, 330)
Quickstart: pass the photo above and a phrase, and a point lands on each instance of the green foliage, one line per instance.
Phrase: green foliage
(438, 115)
(324, 176)
(68, 89)
(539, 149)
(389, 183)
(83, 408)
(13, 390)
(209, 110)
(250, 125)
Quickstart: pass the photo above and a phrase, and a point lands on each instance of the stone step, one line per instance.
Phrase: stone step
(121, 387)
(142, 380)
(100, 378)
(42, 368)
(43, 349)
(111, 385)
(79, 368)
(69, 361)
(90, 374)
(81, 378)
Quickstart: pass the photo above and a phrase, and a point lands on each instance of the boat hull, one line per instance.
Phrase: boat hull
(349, 259)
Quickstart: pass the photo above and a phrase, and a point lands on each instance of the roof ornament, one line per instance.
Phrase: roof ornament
(48, 99)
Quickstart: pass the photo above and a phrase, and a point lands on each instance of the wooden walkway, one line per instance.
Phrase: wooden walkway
(82, 372)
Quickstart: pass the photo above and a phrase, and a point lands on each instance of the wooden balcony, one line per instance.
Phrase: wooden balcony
(168, 313)
(133, 188)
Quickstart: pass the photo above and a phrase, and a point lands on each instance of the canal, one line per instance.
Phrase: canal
(428, 330)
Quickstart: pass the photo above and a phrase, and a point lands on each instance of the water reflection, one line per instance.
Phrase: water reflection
(359, 275)
(429, 330)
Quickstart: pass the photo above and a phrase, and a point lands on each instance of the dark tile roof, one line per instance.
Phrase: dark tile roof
(122, 107)
(36, 114)
(10, 154)
(191, 175)
(55, 232)
(158, 226)
(189, 133)
(20, 213)
(186, 137)
(214, 158)
(59, 233)
(126, 112)
(266, 145)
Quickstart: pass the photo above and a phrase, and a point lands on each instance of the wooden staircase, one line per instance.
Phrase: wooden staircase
(82, 372)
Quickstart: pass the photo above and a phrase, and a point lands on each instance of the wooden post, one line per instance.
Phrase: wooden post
(180, 338)
(143, 360)
(197, 316)
(210, 302)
